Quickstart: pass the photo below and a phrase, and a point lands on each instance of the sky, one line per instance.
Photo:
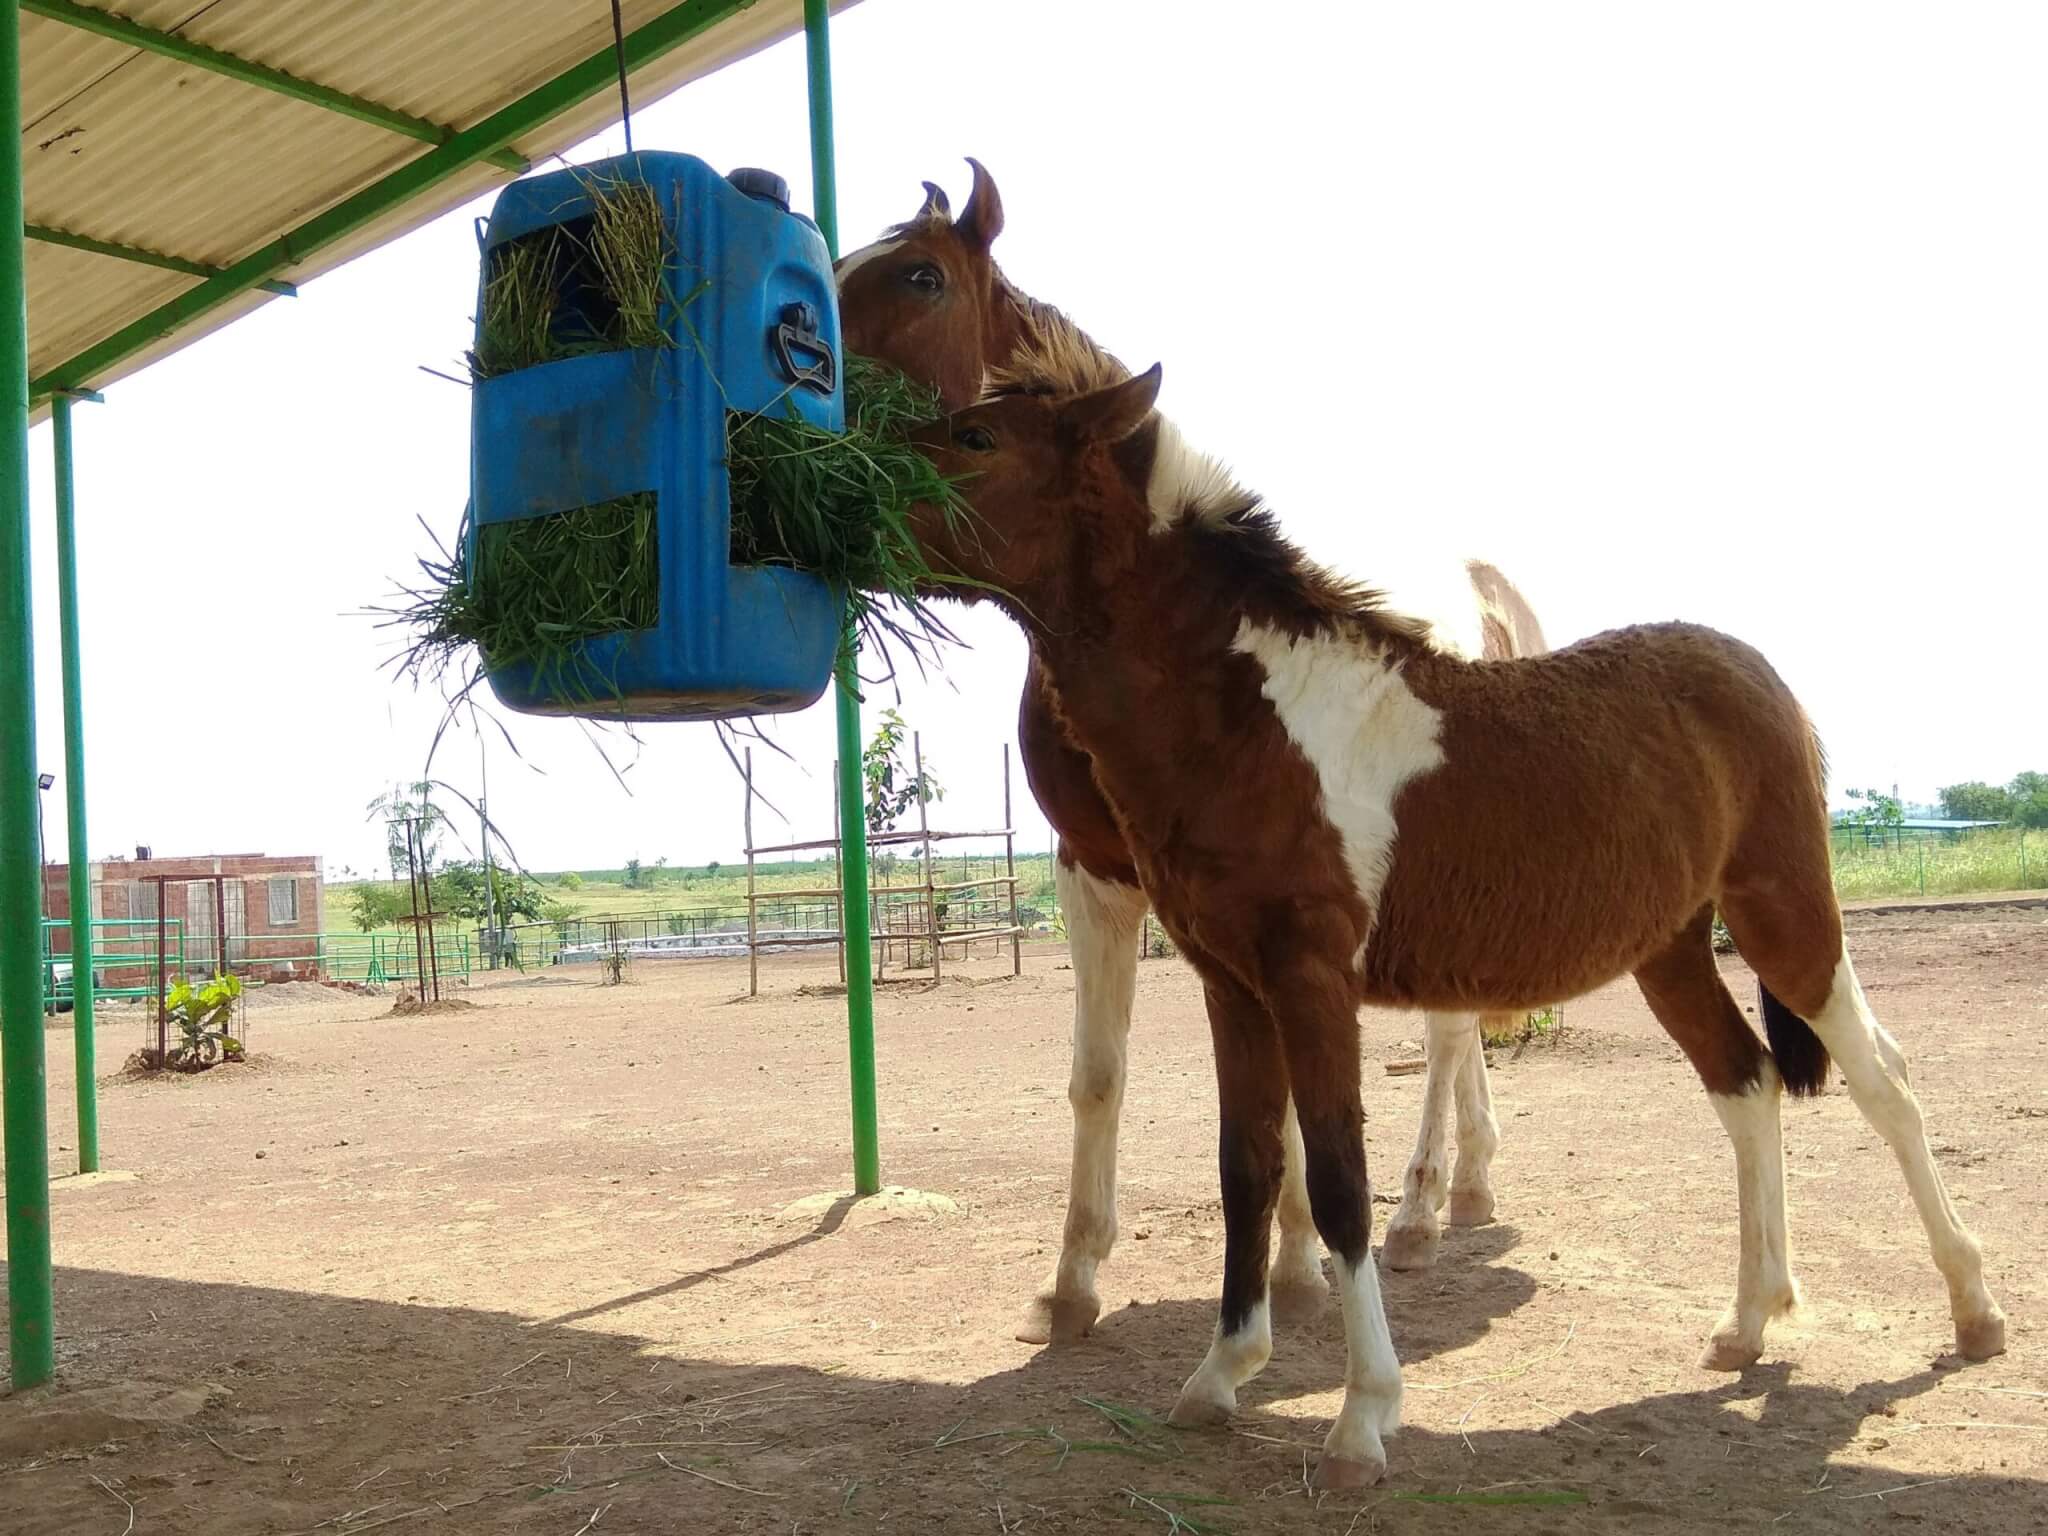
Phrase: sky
(1725, 313)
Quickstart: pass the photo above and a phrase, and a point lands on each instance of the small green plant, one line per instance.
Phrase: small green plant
(892, 788)
(201, 1016)
(1724, 941)
(1540, 1025)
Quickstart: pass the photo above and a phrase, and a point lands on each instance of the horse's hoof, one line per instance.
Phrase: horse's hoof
(1470, 1207)
(1334, 1473)
(1983, 1337)
(1297, 1299)
(1729, 1355)
(1197, 1411)
(1410, 1247)
(1058, 1319)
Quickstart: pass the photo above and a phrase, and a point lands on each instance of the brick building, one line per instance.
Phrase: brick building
(274, 909)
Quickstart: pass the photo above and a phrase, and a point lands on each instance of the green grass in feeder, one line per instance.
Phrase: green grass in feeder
(839, 503)
(834, 504)
(594, 284)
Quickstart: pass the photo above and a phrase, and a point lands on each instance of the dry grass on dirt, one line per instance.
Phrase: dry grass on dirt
(569, 1263)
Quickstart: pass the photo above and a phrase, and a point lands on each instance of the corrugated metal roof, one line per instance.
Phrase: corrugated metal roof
(131, 147)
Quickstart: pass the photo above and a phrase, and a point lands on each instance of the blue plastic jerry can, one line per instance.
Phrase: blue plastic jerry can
(752, 318)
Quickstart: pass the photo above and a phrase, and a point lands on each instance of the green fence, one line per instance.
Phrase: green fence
(125, 958)
(1879, 862)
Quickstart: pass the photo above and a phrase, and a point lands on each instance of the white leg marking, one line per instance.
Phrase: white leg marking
(1412, 1235)
(1882, 1088)
(1210, 1396)
(1478, 1140)
(1354, 1452)
(1764, 1287)
(1296, 1279)
(1103, 921)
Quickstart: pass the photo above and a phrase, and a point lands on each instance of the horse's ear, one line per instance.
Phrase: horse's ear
(1113, 414)
(982, 220)
(935, 205)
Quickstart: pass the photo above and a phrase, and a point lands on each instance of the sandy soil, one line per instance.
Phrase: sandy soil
(570, 1262)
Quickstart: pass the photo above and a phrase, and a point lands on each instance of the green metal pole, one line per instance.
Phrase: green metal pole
(74, 800)
(21, 974)
(853, 825)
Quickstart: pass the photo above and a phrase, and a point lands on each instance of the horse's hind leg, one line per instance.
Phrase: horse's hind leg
(1413, 1236)
(1471, 1203)
(1801, 992)
(1103, 919)
(1684, 990)
(1298, 1287)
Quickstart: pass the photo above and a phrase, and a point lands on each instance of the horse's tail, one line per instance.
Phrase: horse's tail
(1802, 1059)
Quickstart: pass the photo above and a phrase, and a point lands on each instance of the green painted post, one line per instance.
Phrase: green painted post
(21, 974)
(83, 1043)
(853, 824)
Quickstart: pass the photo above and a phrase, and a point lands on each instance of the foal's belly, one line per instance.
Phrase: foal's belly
(1497, 949)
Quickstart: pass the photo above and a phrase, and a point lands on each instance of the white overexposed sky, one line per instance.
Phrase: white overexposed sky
(1731, 313)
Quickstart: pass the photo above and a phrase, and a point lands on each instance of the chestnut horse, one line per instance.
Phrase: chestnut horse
(929, 299)
(1327, 811)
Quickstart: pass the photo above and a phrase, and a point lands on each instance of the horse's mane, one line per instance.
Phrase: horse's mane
(1229, 526)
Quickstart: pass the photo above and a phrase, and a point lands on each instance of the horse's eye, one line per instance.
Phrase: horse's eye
(975, 439)
(927, 279)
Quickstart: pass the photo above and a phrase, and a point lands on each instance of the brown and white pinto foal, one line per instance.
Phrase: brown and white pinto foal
(1316, 802)
(929, 298)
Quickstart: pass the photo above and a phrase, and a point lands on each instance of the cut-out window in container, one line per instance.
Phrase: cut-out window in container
(624, 309)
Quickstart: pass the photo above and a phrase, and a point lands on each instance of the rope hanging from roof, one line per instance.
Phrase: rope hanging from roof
(619, 50)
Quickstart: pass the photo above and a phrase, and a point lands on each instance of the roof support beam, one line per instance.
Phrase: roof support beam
(138, 255)
(151, 40)
(578, 83)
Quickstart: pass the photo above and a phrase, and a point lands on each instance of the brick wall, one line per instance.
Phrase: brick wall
(275, 948)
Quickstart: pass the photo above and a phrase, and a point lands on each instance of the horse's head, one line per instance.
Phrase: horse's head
(1059, 487)
(926, 297)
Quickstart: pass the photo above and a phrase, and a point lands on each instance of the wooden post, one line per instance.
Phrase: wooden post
(1010, 867)
(747, 822)
(924, 828)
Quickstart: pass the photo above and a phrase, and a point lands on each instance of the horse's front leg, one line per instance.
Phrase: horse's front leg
(1103, 921)
(1251, 1091)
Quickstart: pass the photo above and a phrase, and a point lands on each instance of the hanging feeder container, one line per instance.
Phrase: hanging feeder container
(748, 320)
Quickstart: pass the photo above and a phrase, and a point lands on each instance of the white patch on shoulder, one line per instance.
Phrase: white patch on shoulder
(1345, 705)
(1184, 481)
(848, 265)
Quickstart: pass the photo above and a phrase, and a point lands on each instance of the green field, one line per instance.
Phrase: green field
(2002, 859)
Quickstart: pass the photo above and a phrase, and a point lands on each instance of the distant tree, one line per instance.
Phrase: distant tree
(459, 892)
(712, 868)
(1875, 809)
(1976, 801)
(2030, 799)
(633, 874)
(373, 904)
(402, 802)
(569, 880)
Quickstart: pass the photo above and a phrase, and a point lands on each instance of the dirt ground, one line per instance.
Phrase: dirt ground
(569, 1262)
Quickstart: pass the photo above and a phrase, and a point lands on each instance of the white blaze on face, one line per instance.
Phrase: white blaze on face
(1353, 716)
(848, 265)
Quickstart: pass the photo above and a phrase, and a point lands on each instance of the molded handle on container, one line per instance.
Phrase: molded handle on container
(797, 336)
